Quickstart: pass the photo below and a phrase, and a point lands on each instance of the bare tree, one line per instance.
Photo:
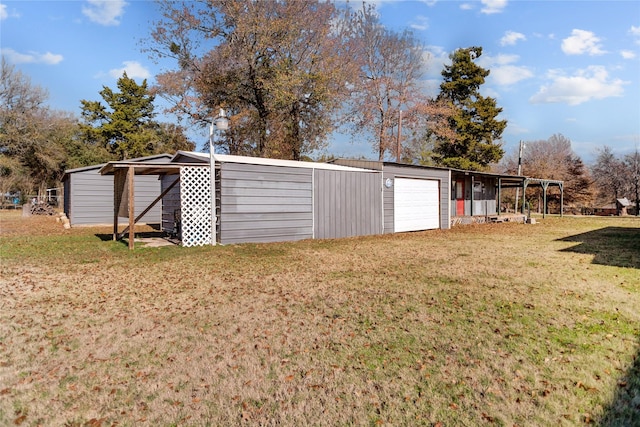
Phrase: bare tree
(387, 91)
(553, 158)
(20, 103)
(632, 162)
(611, 175)
(32, 137)
(280, 67)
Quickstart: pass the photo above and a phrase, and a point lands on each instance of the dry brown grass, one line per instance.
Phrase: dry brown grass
(498, 324)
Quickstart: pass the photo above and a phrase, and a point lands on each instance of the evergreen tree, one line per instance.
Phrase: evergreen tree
(475, 122)
(126, 125)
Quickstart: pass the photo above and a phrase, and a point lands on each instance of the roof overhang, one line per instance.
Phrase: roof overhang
(145, 168)
(227, 158)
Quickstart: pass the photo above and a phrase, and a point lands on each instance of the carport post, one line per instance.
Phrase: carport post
(561, 200)
(132, 213)
(545, 185)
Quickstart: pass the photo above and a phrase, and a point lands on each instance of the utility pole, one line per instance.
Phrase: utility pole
(398, 144)
(519, 174)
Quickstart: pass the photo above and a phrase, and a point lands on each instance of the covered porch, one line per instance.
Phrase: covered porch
(476, 197)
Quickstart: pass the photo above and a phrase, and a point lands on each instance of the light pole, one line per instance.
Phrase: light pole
(221, 122)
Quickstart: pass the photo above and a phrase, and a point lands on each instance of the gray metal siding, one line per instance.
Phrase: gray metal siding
(393, 171)
(170, 202)
(265, 203)
(347, 204)
(67, 197)
(91, 198)
(362, 164)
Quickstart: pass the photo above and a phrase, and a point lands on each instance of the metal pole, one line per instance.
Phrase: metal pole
(399, 146)
(519, 173)
(212, 185)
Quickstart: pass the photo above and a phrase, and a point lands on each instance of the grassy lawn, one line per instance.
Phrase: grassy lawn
(505, 324)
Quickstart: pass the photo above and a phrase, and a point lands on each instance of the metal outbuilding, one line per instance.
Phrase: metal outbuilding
(267, 200)
(415, 197)
(88, 195)
(258, 199)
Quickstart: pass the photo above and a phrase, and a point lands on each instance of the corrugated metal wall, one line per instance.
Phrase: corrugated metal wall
(170, 203)
(347, 204)
(90, 198)
(265, 203)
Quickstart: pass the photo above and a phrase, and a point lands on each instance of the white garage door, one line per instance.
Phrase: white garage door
(416, 204)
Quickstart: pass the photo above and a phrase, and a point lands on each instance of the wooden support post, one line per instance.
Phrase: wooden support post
(119, 190)
(131, 179)
(499, 205)
(115, 221)
(164, 193)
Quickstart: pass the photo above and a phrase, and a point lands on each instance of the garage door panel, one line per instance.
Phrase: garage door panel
(416, 204)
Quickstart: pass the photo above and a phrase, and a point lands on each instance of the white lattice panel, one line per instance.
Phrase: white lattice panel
(195, 204)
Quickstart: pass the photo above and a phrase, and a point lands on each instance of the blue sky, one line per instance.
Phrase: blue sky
(569, 67)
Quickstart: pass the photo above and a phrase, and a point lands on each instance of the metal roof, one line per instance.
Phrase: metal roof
(162, 158)
(143, 168)
(226, 158)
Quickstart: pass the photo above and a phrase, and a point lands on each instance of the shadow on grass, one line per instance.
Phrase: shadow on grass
(624, 409)
(151, 230)
(615, 246)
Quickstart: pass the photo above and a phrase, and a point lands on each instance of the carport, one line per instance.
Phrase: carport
(124, 173)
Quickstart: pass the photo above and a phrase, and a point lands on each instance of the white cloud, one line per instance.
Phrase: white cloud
(487, 91)
(635, 31)
(581, 42)
(104, 12)
(6, 14)
(434, 58)
(421, 23)
(586, 85)
(510, 74)
(487, 61)
(133, 69)
(511, 37)
(493, 6)
(466, 6)
(503, 70)
(31, 57)
(50, 58)
(627, 54)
